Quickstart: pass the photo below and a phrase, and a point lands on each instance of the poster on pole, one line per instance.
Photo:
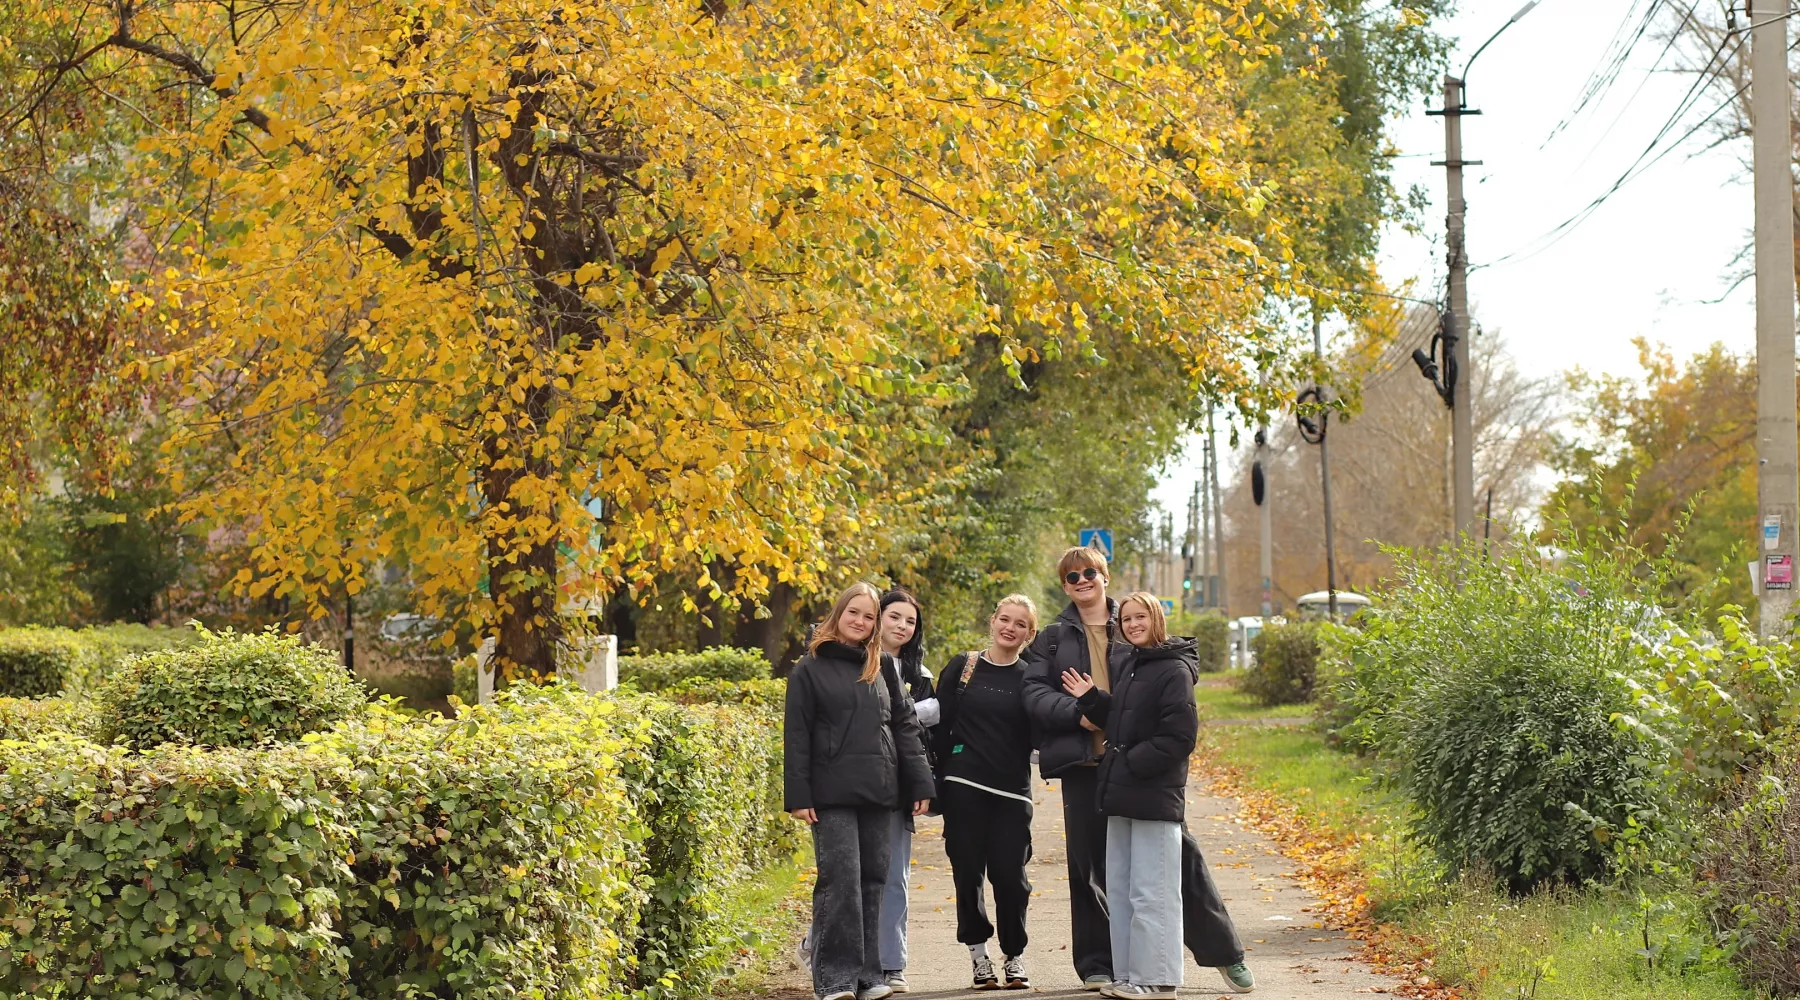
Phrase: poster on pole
(1771, 532)
(1778, 572)
(1097, 538)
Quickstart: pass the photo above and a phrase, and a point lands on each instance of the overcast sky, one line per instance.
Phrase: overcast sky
(1653, 261)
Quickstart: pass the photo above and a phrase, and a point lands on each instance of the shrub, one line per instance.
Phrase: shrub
(111, 645)
(30, 718)
(657, 671)
(1490, 687)
(36, 662)
(228, 690)
(706, 691)
(1286, 664)
(552, 844)
(1755, 877)
(1212, 635)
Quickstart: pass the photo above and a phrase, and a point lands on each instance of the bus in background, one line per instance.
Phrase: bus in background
(1317, 605)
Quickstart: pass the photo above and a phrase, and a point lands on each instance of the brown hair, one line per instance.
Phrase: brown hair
(1080, 557)
(1022, 601)
(1159, 626)
(827, 630)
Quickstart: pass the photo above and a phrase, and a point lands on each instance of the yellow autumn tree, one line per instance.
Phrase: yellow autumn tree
(539, 298)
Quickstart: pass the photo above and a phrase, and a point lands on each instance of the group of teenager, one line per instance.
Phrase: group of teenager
(1103, 695)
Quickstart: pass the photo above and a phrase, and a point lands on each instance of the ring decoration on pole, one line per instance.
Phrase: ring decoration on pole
(1312, 427)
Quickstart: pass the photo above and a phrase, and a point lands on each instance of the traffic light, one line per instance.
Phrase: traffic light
(1187, 585)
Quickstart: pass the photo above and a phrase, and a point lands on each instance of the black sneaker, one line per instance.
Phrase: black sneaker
(984, 974)
(1014, 971)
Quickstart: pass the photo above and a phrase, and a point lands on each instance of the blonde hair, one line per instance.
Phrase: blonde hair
(1080, 557)
(1159, 625)
(827, 630)
(1019, 600)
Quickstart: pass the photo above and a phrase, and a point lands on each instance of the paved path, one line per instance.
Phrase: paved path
(1290, 954)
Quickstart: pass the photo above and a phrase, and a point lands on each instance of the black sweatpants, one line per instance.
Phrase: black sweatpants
(988, 838)
(1206, 927)
(852, 848)
(1084, 831)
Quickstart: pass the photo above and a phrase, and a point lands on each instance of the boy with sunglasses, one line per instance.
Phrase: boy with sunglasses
(1069, 747)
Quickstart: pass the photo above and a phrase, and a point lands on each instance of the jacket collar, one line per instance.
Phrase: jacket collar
(842, 651)
(1071, 615)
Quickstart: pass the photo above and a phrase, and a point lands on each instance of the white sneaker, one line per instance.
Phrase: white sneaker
(840, 995)
(879, 991)
(803, 954)
(1098, 984)
(897, 982)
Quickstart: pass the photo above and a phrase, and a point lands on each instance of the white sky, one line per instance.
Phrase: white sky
(1647, 263)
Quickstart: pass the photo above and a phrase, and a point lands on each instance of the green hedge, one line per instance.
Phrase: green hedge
(41, 662)
(706, 691)
(1212, 638)
(30, 718)
(555, 844)
(657, 671)
(36, 662)
(1286, 667)
(228, 690)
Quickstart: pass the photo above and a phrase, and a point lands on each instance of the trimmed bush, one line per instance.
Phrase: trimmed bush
(1212, 634)
(662, 670)
(706, 691)
(37, 662)
(30, 718)
(1287, 658)
(556, 844)
(228, 690)
(109, 646)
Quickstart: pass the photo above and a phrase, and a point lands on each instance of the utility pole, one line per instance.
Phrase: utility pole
(1190, 552)
(1259, 484)
(1777, 451)
(1218, 525)
(1325, 478)
(1203, 527)
(1458, 376)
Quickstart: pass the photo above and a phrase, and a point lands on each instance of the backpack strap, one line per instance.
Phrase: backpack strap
(970, 659)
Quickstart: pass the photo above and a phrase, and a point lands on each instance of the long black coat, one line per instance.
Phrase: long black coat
(1151, 726)
(1055, 718)
(847, 743)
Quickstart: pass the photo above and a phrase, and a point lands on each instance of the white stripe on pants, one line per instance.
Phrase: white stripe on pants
(1143, 895)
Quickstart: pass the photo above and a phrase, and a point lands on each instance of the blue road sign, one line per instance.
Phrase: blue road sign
(1098, 538)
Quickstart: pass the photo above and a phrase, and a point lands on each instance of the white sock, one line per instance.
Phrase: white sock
(977, 952)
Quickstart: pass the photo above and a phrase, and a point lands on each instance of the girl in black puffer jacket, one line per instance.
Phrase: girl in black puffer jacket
(852, 753)
(1151, 724)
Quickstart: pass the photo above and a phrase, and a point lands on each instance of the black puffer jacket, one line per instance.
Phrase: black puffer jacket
(846, 743)
(1151, 725)
(1055, 718)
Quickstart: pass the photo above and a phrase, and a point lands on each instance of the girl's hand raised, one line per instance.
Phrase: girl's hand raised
(805, 815)
(1075, 683)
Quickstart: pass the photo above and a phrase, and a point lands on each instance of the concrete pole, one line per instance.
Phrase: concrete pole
(1325, 479)
(1218, 525)
(1267, 563)
(1462, 405)
(1777, 452)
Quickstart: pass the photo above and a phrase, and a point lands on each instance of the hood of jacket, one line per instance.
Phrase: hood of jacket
(1180, 648)
(834, 650)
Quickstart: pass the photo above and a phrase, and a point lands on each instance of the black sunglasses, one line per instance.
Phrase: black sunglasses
(1074, 576)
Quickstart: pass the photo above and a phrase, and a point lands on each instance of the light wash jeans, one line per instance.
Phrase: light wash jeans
(1143, 895)
(893, 899)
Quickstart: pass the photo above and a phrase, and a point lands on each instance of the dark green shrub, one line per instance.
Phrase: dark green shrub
(1490, 687)
(657, 671)
(1212, 636)
(706, 691)
(1754, 869)
(227, 690)
(30, 718)
(37, 662)
(1286, 664)
(109, 646)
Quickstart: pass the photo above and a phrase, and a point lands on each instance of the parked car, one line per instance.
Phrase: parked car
(1243, 632)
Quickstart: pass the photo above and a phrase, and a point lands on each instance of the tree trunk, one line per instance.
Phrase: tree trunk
(768, 634)
(522, 578)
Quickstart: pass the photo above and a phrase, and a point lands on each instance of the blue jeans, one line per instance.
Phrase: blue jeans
(852, 850)
(893, 898)
(1143, 895)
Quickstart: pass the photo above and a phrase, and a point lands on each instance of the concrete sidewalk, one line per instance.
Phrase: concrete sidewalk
(1290, 954)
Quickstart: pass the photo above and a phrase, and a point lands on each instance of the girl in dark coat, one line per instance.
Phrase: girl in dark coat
(1151, 725)
(852, 756)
